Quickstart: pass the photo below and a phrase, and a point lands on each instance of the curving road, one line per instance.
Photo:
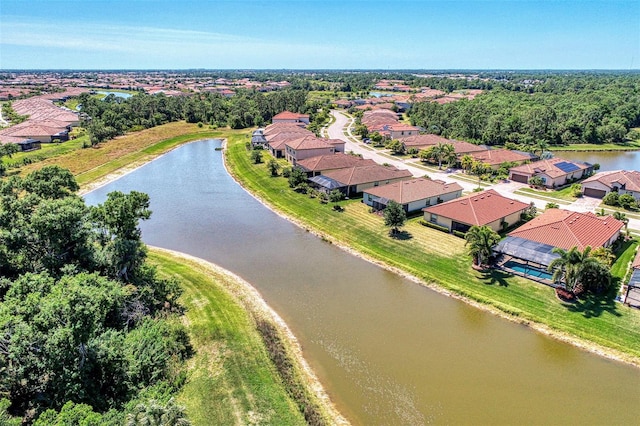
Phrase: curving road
(341, 129)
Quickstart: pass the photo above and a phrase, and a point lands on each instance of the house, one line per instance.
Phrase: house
(278, 134)
(496, 157)
(554, 172)
(620, 181)
(413, 195)
(632, 296)
(356, 179)
(529, 249)
(303, 147)
(399, 130)
(29, 145)
(567, 229)
(482, 208)
(290, 117)
(321, 164)
(427, 141)
(42, 131)
(258, 138)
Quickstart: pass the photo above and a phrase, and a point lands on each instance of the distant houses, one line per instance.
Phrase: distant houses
(290, 117)
(620, 181)
(494, 158)
(46, 123)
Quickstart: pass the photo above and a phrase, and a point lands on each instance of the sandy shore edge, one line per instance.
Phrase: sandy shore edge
(252, 301)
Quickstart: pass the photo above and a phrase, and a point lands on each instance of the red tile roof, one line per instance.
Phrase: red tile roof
(630, 179)
(494, 157)
(566, 229)
(408, 191)
(307, 142)
(332, 162)
(367, 174)
(479, 208)
(636, 262)
(288, 115)
(548, 167)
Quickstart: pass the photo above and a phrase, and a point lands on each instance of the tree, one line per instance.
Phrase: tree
(536, 181)
(154, 413)
(622, 218)
(467, 162)
(481, 240)
(297, 177)
(611, 199)
(627, 201)
(51, 182)
(256, 156)
(394, 216)
(442, 152)
(395, 146)
(579, 270)
(479, 168)
(273, 167)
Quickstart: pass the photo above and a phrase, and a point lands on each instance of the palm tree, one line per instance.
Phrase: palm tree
(622, 218)
(572, 265)
(481, 240)
(443, 152)
(467, 162)
(153, 413)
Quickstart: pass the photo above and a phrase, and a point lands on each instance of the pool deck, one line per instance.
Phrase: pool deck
(501, 265)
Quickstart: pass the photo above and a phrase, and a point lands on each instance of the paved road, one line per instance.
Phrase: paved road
(343, 123)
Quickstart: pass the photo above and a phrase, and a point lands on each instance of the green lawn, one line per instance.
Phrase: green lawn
(558, 195)
(627, 253)
(631, 145)
(440, 259)
(231, 378)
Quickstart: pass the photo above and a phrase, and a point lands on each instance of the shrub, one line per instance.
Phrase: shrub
(611, 199)
(434, 226)
(459, 234)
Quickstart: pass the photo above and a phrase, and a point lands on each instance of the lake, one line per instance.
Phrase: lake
(608, 160)
(387, 350)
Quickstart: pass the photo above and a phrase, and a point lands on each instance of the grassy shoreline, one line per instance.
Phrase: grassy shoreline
(439, 261)
(248, 367)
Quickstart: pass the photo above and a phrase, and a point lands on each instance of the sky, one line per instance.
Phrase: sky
(310, 34)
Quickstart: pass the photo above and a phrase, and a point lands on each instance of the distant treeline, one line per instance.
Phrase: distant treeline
(558, 110)
(113, 116)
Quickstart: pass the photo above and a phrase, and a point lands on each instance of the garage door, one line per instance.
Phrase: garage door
(519, 178)
(597, 193)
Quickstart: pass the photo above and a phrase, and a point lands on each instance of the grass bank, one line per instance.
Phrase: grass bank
(627, 146)
(247, 367)
(108, 159)
(440, 261)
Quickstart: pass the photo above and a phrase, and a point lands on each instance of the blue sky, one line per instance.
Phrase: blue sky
(308, 34)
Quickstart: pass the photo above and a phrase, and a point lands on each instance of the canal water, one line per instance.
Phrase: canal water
(387, 350)
(609, 160)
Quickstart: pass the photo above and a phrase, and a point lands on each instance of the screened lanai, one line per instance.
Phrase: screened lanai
(526, 258)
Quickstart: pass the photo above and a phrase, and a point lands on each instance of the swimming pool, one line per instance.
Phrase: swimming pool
(528, 270)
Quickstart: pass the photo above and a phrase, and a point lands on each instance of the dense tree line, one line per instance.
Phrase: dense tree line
(84, 320)
(605, 112)
(113, 116)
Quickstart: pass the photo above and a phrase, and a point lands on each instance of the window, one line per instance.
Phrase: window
(434, 218)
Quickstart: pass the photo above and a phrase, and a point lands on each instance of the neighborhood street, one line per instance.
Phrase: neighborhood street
(343, 123)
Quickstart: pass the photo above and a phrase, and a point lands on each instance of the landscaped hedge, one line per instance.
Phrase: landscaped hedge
(434, 226)
(459, 234)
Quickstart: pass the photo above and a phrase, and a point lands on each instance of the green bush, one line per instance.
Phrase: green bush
(434, 226)
(459, 234)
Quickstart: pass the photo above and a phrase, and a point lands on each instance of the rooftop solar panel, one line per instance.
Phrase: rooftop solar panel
(567, 167)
